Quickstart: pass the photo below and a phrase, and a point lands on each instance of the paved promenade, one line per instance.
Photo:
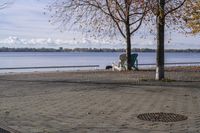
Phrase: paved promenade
(98, 102)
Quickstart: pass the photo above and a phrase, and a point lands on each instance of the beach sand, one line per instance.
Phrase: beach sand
(99, 101)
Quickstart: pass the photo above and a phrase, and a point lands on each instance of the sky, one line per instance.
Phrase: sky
(24, 24)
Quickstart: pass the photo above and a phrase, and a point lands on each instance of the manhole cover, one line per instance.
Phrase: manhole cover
(162, 117)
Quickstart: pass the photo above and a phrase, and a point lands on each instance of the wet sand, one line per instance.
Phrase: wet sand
(99, 101)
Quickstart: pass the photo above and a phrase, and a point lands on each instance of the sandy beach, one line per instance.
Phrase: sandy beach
(99, 101)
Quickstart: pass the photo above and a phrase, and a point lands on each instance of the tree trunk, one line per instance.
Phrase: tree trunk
(128, 44)
(160, 60)
(128, 36)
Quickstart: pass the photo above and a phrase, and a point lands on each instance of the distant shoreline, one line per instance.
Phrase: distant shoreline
(4, 49)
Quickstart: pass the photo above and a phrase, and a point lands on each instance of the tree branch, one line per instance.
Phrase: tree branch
(174, 9)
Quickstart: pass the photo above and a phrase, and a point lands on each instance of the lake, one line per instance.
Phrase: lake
(38, 59)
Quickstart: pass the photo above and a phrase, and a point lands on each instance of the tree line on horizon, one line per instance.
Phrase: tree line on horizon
(5, 49)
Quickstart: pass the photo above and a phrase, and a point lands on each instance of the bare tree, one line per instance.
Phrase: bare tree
(103, 17)
(167, 13)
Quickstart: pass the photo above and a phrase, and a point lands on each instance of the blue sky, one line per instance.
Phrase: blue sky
(23, 24)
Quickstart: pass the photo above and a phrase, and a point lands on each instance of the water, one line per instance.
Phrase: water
(38, 59)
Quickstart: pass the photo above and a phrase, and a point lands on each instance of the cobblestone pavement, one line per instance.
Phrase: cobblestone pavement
(64, 103)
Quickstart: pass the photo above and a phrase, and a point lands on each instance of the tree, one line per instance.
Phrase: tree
(192, 16)
(102, 17)
(167, 13)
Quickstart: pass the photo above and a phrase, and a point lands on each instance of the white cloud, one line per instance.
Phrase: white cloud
(17, 42)
(137, 42)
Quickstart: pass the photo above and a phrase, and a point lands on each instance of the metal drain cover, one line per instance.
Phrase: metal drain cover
(162, 117)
